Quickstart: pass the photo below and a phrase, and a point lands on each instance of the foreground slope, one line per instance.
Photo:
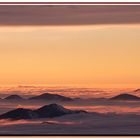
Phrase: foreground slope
(47, 111)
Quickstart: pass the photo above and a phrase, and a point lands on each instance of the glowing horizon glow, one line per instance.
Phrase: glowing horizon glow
(101, 55)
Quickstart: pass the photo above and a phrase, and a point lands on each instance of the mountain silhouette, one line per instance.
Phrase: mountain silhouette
(19, 113)
(54, 110)
(14, 97)
(47, 111)
(48, 96)
(125, 96)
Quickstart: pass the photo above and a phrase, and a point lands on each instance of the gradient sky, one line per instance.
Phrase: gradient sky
(70, 55)
(101, 55)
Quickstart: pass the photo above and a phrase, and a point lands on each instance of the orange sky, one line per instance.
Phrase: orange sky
(101, 55)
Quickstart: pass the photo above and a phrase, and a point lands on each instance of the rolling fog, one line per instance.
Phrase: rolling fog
(104, 116)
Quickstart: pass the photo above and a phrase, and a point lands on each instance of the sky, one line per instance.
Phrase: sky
(105, 54)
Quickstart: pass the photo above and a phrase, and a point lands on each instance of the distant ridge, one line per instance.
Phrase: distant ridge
(14, 97)
(47, 111)
(125, 96)
(48, 96)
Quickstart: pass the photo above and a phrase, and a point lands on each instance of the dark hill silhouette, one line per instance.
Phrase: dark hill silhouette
(125, 96)
(47, 111)
(48, 96)
(19, 113)
(14, 97)
(53, 110)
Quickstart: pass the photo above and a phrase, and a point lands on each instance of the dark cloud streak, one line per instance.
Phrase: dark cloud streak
(69, 15)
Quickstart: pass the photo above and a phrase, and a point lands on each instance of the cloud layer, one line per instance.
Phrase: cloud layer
(69, 15)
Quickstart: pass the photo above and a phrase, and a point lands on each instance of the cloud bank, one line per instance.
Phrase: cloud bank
(69, 15)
